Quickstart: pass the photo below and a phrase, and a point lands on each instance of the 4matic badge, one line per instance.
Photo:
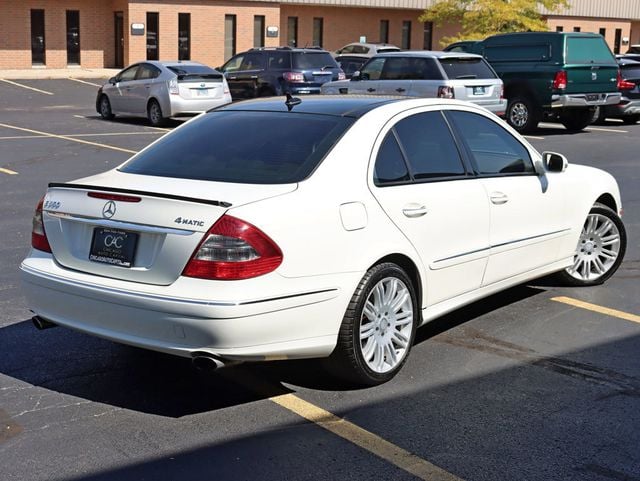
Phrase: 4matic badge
(183, 221)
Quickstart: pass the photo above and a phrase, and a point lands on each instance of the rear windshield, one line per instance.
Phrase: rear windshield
(588, 50)
(190, 69)
(243, 147)
(304, 60)
(463, 68)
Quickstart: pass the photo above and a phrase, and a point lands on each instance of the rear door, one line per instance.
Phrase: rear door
(246, 77)
(422, 184)
(396, 77)
(140, 89)
(591, 67)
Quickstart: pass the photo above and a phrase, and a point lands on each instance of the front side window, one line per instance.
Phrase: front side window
(128, 74)
(492, 149)
(285, 147)
(429, 146)
(233, 64)
(373, 69)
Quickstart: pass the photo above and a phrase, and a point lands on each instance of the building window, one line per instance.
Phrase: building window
(37, 37)
(406, 34)
(318, 27)
(292, 31)
(184, 36)
(616, 43)
(152, 36)
(428, 36)
(384, 31)
(603, 32)
(559, 28)
(229, 36)
(73, 37)
(576, 29)
(258, 30)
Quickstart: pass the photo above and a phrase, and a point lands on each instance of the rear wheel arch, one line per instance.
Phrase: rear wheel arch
(409, 266)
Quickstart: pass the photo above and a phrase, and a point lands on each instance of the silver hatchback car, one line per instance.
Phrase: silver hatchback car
(159, 90)
(462, 76)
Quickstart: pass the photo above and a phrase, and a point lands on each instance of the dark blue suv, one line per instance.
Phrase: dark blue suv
(266, 71)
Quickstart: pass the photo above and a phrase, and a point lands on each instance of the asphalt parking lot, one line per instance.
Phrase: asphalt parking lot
(537, 383)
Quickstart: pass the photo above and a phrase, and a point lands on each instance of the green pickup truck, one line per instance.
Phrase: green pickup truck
(552, 75)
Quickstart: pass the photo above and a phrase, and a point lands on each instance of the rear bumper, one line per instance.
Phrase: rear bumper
(301, 322)
(585, 100)
(624, 108)
(182, 106)
(498, 108)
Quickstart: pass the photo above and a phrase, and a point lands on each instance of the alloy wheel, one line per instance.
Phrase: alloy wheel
(386, 325)
(598, 248)
(519, 114)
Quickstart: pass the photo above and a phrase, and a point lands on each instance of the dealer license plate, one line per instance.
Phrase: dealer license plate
(478, 91)
(113, 246)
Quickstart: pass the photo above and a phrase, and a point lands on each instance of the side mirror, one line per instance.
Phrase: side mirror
(554, 162)
(113, 80)
(356, 76)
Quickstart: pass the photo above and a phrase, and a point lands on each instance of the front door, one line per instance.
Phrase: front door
(119, 37)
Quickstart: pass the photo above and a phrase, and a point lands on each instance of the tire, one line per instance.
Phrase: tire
(600, 249)
(630, 119)
(266, 92)
(389, 331)
(155, 115)
(576, 120)
(105, 108)
(522, 114)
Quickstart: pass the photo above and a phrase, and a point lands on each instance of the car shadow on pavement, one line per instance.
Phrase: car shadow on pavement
(83, 366)
(138, 121)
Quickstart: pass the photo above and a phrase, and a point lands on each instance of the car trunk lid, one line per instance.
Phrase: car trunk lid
(201, 86)
(590, 66)
(105, 225)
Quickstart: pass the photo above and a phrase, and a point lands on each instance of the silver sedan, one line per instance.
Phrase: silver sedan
(159, 90)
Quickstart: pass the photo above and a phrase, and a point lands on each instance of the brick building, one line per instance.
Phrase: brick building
(114, 33)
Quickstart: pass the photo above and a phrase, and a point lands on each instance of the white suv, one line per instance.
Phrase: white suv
(449, 75)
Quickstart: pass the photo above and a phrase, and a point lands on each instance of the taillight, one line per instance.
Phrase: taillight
(341, 76)
(624, 84)
(233, 249)
(502, 92)
(293, 77)
(560, 80)
(173, 86)
(38, 235)
(445, 92)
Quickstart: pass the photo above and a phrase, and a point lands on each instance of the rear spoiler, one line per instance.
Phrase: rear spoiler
(217, 203)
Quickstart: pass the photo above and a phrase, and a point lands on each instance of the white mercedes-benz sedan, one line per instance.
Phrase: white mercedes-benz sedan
(329, 227)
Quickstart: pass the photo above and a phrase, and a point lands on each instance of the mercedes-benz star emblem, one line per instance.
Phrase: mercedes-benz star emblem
(109, 210)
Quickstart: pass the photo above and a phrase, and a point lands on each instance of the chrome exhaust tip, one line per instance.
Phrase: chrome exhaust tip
(42, 324)
(206, 362)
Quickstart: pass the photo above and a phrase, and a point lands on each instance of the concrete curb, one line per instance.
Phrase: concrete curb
(46, 73)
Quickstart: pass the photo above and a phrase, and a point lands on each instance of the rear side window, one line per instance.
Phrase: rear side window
(284, 147)
(429, 146)
(410, 68)
(278, 60)
(147, 71)
(493, 150)
(390, 165)
(518, 53)
(588, 50)
(466, 68)
(315, 60)
(630, 72)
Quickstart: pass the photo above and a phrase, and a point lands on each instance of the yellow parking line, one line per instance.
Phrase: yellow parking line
(84, 82)
(364, 439)
(607, 311)
(66, 137)
(8, 171)
(26, 87)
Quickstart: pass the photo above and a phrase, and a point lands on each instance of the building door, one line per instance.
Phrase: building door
(73, 37)
(37, 37)
(119, 36)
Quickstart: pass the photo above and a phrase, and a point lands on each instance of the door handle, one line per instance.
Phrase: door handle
(498, 198)
(414, 210)
(370, 89)
(254, 77)
(400, 90)
(232, 78)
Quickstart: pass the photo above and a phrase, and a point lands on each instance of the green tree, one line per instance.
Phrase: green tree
(481, 18)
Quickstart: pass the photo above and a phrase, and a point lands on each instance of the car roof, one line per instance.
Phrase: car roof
(372, 44)
(338, 105)
(428, 53)
(167, 63)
